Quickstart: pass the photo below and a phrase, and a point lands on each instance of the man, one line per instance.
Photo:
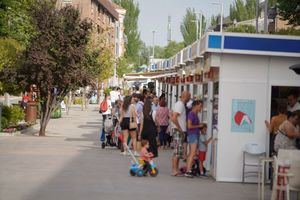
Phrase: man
(155, 104)
(180, 130)
(293, 103)
(114, 96)
(139, 110)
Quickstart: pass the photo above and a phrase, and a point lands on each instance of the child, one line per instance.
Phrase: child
(203, 142)
(146, 156)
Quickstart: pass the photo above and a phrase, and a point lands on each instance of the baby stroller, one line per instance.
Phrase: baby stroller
(109, 138)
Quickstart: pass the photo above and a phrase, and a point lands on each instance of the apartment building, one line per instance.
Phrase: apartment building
(107, 19)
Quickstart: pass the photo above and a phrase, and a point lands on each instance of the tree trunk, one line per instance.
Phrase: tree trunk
(46, 109)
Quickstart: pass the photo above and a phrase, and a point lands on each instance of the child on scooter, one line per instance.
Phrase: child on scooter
(146, 156)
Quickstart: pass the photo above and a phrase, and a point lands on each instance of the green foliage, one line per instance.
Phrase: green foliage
(290, 10)
(107, 91)
(78, 101)
(242, 10)
(144, 54)
(11, 116)
(214, 20)
(241, 28)
(123, 67)
(172, 48)
(288, 31)
(131, 29)
(17, 115)
(4, 123)
(55, 58)
(15, 20)
(188, 27)
(9, 49)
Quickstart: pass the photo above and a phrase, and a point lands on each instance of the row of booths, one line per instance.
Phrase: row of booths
(235, 75)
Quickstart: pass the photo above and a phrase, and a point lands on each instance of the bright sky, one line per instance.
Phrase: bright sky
(154, 16)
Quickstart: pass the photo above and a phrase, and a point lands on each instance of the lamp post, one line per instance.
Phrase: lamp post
(153, 45)
(221, 5)
(197, 28)
(200, 14)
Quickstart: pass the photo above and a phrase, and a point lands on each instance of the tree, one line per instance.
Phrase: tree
(144, 54)
(172, 48)
(241, 28)
(55, 58)
(290, 10)
(214, 20)
(15, 20)
(242, 10)
(188, 26)
(131, 29)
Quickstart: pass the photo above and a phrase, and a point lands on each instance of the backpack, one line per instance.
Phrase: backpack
(103, 106)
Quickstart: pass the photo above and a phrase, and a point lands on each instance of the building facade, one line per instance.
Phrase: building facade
(107, 19)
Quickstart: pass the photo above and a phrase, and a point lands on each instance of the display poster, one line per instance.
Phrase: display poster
(243, 116)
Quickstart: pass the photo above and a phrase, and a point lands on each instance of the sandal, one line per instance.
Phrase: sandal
(177, 174)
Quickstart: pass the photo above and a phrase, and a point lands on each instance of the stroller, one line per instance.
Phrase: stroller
(110, 132)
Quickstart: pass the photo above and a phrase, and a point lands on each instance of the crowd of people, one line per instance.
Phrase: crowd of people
(145, 118)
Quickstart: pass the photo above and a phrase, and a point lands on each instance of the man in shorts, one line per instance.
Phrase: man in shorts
(180, 130)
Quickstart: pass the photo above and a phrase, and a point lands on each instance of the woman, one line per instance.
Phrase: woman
(274, 124)
(128, 115)
(193, 125)
(288, 132)
(162, 121)
(148, 127)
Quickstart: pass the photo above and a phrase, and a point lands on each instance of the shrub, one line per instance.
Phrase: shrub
(4, 123)
(17, 115)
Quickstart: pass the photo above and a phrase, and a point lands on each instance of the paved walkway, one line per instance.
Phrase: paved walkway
(70, 165)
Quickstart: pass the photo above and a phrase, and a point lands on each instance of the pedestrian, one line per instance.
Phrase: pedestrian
(148, 127)
(273, 125)
(203, 142)
(288, 132)
(293, 104)
(114, 95)
(106, 107)
(193, 125)
(139, 110)
(128, 122)
(179, 132)
(162, 121)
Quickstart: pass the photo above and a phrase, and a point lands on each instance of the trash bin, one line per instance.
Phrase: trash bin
(56, 113)
(31, 112)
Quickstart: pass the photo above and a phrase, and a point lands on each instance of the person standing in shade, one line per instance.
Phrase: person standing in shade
(179, 134)
(193, 125)
(162, 121)
(148, 127)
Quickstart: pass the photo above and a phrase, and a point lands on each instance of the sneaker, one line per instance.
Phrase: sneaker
(189, 174)
(124, 153)
(136, 154)
(203, 176)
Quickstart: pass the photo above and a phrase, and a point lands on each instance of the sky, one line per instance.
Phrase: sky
(154, 16)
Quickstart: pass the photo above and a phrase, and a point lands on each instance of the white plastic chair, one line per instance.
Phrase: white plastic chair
(252, 150)
(289, 160)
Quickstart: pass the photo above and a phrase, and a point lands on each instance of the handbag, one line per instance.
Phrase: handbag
(132, 122)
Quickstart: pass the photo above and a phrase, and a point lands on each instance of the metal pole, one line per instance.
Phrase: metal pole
(197, 28)
(266, 17)
(200, 34)
(221, 28)
(153, 32)
(257, 12)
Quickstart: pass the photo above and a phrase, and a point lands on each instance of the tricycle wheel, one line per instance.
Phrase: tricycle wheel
(153, 172)
(132, 173)
(140, 172)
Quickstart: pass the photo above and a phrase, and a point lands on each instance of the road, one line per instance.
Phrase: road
(69, 164)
